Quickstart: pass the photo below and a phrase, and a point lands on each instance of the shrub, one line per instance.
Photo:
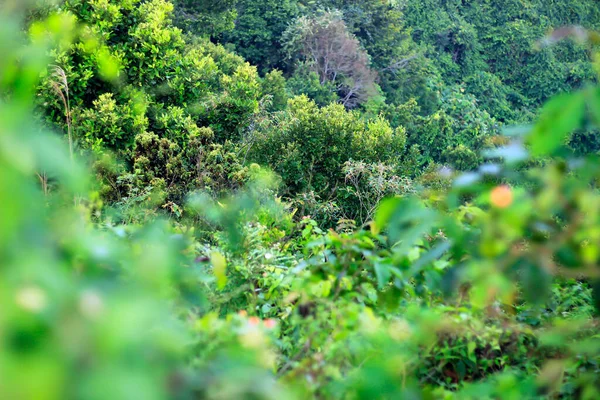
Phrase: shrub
(308, 145)
(456, 133)
(368, 184)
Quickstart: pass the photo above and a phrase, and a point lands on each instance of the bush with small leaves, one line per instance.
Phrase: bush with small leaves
(308, 145)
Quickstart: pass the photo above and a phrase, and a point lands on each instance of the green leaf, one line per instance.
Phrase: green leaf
(435, 253)
(559, 117)
(384, 213)
(405, 220)
(471, 350)
(383, 275)
(219, 264)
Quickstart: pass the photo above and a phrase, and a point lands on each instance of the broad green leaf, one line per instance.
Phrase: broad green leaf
(384, 213)
(405, 220)
(383, 274)
(559, 117)
(436, 252)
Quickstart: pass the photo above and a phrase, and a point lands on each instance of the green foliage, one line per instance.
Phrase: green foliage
(259, 28)
(178, 272)
(231, 110)
(206, 17)
(496, 98)
(559, 118)
(274, 85)
(166, 94)
(504, 41)
(108, 125)
(76, 301)
(306, 82)
(456, 133)
(308, 145)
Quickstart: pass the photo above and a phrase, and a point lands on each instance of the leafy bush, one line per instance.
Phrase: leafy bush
(367, 186)
(308, 145)
(167, 103)
(455, 134)
(259, 29)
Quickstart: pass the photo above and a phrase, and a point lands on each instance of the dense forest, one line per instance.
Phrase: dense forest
(328, 199)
